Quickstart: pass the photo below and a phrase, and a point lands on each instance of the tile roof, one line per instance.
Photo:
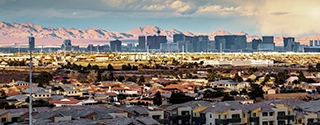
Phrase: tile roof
(192, 104)
(4, 112)
(18, 97)
(36, 90)
(311, 106)
(216, 109)
(137, 109)
(70, 100)
(117, 121)
(77, 113)
(147, 121)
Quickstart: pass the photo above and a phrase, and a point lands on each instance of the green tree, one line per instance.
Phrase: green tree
(179, 97)
(92, 76)
(141, 79)
(227, 97)
(318, 67)
(27, 79)
(237, 78)
(301, 76)
(110, 67)
(44, 78)
(120, 78)
(311, 69)
(157, 99)
(255, 91)
(2, 94)
(234, 93)
(3, 105)
(89, 67)
(73, 74)
(121, 97)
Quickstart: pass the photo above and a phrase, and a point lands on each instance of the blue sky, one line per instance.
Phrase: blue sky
(258, 17)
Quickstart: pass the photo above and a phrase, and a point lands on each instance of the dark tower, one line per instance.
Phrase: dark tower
(158, 32)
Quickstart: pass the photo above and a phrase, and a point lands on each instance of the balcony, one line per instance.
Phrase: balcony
(234, 120)
(313, 123)
(285, 117)
(180, 117)
(199, 119)
(254, 119)
(221, 121)
(227, 121)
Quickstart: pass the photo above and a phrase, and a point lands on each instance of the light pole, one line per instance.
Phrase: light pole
(31, 47)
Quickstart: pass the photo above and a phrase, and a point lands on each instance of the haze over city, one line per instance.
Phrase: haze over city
(258, 17)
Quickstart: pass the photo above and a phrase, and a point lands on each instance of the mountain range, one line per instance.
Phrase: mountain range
(11, 32)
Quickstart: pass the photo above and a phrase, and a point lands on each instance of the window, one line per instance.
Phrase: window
(265, 114)
(281, 122)
(3, 120)
(219, 116)
(281, 113)
(289, 112)
(174, 113)
(310, 120)
(254, 114)
(194, 114)
(270, 113)
(156, 117)
(225, 116)
(210, 123)
(271, 122)
(244, 115)
(210, 115)
(235, 116)
(264, 123)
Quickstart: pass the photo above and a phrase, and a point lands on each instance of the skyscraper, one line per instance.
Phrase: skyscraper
(267, 39)
(255, 43)
(115, 46)
(178, 37)
(66, 42)
(288, 43)
(200, 43)
(231, 42)
(154, 42)
(142, 42)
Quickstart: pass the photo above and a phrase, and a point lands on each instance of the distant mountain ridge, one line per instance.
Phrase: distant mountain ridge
(16, 30)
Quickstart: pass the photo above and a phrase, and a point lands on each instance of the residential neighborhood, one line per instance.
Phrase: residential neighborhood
(202, 96)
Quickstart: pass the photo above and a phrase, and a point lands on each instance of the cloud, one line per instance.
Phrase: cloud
(51, 13)
(225, 11)
(154, 7)
(280, 13)
(289, 17)
(180, 6)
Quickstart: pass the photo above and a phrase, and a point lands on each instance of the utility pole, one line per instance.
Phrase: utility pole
(31, 46)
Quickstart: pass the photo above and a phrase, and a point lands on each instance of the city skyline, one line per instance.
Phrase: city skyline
(256, 17)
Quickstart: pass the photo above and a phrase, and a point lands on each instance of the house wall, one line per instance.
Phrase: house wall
(210, 120)
(124, 114)
(182, 109)
(160, 113)
(65, 118)
(13, 115)
(309, 116)
(6, 116)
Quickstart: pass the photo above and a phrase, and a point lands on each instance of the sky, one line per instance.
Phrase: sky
(258, 17)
